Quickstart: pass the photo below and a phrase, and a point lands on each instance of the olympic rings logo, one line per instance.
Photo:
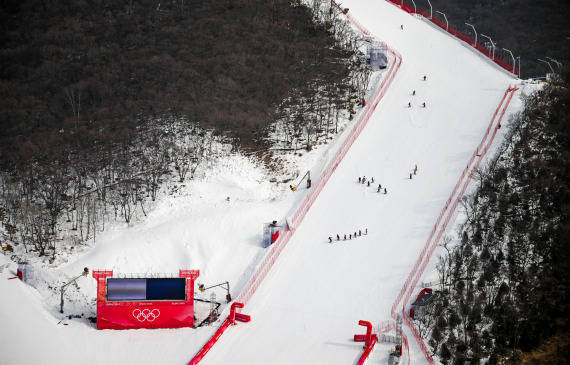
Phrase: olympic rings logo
(146, 314)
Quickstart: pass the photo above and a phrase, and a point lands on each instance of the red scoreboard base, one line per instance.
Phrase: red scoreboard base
(126, 313)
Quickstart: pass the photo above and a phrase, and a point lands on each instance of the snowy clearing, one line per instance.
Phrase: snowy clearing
(307, 308)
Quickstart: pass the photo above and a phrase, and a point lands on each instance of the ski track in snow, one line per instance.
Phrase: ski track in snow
(307, 308)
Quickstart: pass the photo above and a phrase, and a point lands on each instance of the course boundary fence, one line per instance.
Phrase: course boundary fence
(270, 258)
(298, 216)
(448, 212)
(456, 33)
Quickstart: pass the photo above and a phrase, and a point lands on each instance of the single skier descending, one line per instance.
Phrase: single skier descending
(337, 237)
(330, 239)
(415, 169)
(369, 183)
(414, 92)
(410, 176)
(409, 104)
(366, 231)
(372, 180)
(379, 188)
(385, 191)
(359, 233)
(359, 179)
(425, 77)
(345, 237)
(424, 104)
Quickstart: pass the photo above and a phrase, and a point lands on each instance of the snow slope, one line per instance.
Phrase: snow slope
(307, 309)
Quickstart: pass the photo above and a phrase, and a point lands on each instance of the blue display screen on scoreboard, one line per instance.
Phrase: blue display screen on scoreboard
(146, 289)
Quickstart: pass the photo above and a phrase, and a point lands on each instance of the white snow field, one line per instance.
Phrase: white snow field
(307, 308)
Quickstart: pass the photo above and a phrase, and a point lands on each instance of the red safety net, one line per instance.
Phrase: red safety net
(447, 213)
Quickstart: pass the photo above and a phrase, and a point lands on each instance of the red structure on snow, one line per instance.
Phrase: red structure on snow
(231, 320)
(369, 340)
(127, 303)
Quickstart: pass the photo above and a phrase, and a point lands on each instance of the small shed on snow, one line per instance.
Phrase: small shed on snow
(417, 309)
(377, 58)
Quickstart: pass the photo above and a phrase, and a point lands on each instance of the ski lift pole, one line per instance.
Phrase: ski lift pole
(308, 174)
(62, 289)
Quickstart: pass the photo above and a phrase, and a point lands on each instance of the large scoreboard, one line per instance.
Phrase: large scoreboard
(124, 303)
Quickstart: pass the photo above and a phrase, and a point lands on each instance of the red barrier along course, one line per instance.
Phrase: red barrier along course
(271, 257)
(448, 212)
(231, 320)
(369, 341)
(277, 247)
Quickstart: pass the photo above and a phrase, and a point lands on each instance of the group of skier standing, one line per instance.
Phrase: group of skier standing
(350, 235)
(363, 180)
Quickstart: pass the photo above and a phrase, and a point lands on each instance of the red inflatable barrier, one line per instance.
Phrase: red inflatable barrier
(359, 338)
(231, 320)
(233, 317)
(125, 313)
(367, 350)
(366, 338)
(369, 341)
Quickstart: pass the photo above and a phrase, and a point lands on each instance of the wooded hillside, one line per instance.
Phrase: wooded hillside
(530, 29)
(102, 101)
(504, 287)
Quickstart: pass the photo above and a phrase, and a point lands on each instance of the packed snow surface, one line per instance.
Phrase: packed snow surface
(307, 309)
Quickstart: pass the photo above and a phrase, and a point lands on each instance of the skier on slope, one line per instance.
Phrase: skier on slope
(424, 104)
(330, 239)
(337, 237)
(385, 191)
(359, 179)
(359, 233)
(414, 92)
(368, 183)
(415, 169)
(425, 77)
(409, 104)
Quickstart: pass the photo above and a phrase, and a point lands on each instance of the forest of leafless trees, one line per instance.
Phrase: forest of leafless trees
(103, 103)
(503, 288)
